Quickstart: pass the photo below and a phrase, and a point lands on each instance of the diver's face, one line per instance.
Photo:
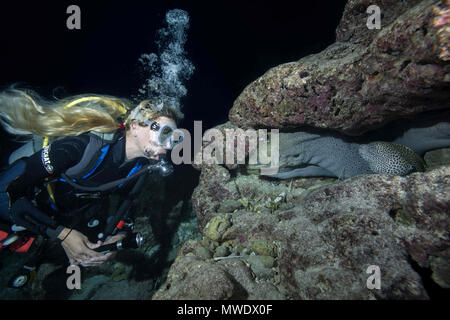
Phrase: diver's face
(147, 139)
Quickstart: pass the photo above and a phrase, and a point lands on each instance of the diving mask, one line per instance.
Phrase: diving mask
(168, 134)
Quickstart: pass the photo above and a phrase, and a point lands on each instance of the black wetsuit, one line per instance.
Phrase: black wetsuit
(62, 155)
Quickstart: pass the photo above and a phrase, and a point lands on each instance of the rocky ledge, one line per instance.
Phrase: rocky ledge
(365, 79)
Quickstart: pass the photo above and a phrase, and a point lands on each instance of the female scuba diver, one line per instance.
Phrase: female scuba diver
(93, 146)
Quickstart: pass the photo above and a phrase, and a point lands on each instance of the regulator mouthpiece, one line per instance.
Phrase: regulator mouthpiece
(164, 167)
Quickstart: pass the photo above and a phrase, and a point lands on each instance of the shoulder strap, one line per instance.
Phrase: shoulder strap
(26, 150)
(106, 137)
(96, 150)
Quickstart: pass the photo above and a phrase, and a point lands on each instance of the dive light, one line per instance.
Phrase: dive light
(131, 241)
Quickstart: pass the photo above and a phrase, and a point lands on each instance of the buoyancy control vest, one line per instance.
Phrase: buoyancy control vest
(93, 155)
(96, 149)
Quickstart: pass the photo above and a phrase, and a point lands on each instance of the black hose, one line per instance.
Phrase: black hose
(106, 186)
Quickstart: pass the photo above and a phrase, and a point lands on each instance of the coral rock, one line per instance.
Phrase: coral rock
(364, 80)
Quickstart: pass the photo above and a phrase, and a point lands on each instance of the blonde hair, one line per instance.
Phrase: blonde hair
(25, 112)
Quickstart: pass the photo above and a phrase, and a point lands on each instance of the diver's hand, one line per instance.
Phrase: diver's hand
(112, 239)
(79, 249)
(115, 238)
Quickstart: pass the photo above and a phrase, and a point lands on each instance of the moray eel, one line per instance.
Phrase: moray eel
(391, 158)
(318, 152)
